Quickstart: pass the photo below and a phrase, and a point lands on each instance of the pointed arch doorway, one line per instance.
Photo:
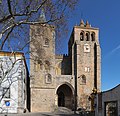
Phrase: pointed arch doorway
(65, 96)
(61, 99)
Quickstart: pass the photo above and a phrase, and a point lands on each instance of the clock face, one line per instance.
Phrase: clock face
(86, 48)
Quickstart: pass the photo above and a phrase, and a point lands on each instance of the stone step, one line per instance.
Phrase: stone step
(63, 110)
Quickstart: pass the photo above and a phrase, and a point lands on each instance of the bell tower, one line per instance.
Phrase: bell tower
(42, 62)
(85, 52)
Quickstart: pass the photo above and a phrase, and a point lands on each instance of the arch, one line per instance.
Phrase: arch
(68, 84)
(58, 68)
(82, 36)
(60, 65)
(87, 36)
(61, 99)
(65, 95)
(40, 64)
(48, 78)
(93, 36)
(47, 65)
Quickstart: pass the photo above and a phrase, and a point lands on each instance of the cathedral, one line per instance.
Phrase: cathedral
(64, 80)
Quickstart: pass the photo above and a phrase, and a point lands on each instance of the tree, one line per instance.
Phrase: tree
(17, 15)
(15, 18)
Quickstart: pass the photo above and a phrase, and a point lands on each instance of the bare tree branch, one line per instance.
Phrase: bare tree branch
(9, 7)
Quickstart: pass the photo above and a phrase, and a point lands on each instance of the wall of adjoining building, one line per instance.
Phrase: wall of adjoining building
(110, 96)
(14, 99)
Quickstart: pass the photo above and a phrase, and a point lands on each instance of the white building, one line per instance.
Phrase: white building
(13, 82)
(108, 102)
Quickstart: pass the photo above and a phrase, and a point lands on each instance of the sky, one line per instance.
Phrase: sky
(102, 14)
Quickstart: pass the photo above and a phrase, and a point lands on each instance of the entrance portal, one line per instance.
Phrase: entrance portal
(61, 99)
(65, 96)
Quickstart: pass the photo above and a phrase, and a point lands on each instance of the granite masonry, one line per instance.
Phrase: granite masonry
(64, 80)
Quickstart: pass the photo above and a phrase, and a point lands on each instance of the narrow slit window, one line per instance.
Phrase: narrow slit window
(47, 42)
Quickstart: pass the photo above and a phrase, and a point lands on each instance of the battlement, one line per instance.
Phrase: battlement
(65, 55)
(59, 56)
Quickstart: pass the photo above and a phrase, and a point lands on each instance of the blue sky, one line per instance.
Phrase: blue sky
(103, 14)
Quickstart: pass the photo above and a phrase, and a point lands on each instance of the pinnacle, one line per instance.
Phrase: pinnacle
(82, 23)
(87, 24)
(42, 16)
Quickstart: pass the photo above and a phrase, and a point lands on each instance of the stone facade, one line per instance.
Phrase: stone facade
(108, 102)
(64, 80)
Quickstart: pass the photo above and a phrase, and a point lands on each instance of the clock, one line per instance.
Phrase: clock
(86, 48)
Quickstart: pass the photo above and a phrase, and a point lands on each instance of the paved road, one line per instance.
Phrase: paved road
(40, 114)
(59, 112)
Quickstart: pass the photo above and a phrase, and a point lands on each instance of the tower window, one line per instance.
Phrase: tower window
(86, 48)
(40, 65)
(47, 65)
(93, 36)
(48, 78)
(81, 36)
(47, 42)
(87, 37)
(87, 69)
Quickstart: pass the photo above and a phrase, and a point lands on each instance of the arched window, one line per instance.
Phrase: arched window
(93, 36)
(46, 42)
(47, 65)
(48, 78)
(60, 65)
(87, 36)
(40, 64)
(81, 36)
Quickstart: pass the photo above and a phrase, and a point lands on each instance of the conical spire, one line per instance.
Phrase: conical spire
(82, 23)
(42, 16)
(87, 24)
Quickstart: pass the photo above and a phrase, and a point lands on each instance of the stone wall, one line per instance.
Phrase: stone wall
(80, 70)
(86, 64)
(112, 95)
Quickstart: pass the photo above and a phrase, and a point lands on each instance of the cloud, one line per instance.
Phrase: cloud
(112, 52)
(115, 49)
